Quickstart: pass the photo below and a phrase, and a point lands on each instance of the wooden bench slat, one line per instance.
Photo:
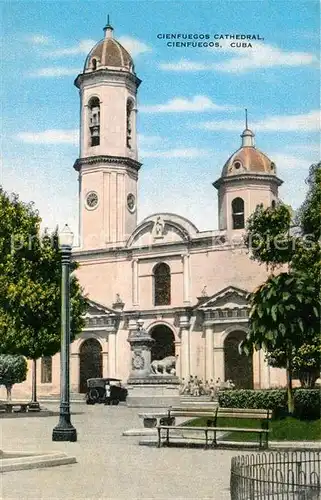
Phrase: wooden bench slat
(213, 414)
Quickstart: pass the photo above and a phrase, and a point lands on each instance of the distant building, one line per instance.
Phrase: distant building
(188, 286)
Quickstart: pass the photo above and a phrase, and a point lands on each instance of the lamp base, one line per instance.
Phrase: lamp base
(34, 406)
(64, 432)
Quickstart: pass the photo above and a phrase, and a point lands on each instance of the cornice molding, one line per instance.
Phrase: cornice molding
(107, 159)
(247, 177)
(99, 76)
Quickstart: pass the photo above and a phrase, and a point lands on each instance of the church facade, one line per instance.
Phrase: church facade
(188, 286)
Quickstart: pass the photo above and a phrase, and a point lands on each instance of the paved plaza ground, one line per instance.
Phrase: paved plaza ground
(110, 466)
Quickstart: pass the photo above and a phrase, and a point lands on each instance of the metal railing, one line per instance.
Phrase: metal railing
(293, 475)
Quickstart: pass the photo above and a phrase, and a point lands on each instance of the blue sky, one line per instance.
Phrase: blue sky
(191, 100)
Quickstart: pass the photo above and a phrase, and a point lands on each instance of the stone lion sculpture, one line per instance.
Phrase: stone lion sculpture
(164, 366)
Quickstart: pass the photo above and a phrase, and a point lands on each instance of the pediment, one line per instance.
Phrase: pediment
(229, 298)
(96, 309)
(162, 228)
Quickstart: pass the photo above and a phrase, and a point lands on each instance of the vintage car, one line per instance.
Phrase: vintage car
(105, 390)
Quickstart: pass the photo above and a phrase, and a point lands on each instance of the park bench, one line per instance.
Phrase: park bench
(13, 407)
(167, 417)
(211, 429)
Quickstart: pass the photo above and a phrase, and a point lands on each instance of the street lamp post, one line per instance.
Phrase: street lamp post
(64, 430)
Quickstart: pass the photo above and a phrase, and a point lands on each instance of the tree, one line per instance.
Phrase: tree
(284, 311)
(283, 317)
(30, 280)
(13, 370)
(306, 361)
(268, 235)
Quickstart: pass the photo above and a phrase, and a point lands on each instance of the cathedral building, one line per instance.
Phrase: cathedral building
(188, 286)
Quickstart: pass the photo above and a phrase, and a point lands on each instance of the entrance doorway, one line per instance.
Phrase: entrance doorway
(238, 367)
(90, 362)
(164, 344)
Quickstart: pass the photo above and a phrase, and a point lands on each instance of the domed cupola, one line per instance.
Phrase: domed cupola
(248, 179)
(248, 159)
(109, 54)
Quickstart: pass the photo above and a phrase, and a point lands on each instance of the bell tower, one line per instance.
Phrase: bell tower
(107, 165)
(248, 179)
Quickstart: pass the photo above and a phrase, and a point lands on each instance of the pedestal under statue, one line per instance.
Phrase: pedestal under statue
(151, 383)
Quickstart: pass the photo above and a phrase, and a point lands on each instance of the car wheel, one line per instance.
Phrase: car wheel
(115, 402)
(93, 396)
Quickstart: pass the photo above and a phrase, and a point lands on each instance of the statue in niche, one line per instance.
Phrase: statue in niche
(159, 228)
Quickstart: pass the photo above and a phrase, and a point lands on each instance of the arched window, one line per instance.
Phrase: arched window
(94, 121)
(238, 213)
(162, 285)
(94, 64)
(129, 116)
(46, 370)
(273, 204)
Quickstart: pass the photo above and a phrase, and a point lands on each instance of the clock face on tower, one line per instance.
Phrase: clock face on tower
(91, 200)
(131, 202)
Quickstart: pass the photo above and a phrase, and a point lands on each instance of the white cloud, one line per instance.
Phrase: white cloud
(197, 103)
(289, 161)
(265, 56)
(286, 123)
(38, 39)
(309, 148)
(175, 153)
(259, 56)
(148, 140)
(50, 137)
(52, 72)
(83, 47)
(134, 46)
(185, 65)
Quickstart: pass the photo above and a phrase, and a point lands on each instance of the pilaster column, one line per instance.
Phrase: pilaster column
(185, 346)
(105, 364)
(112, 354)
(134, 130)
(186, 278)
(178, 358)
(135, 282)
(74, 371)
(219, 365)
(265, 371)
(209, 350)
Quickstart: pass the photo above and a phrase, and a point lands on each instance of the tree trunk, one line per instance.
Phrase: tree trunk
(308, 378)
(8, 388)
(289, 384)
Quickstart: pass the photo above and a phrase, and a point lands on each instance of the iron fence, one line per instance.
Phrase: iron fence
(291, 475)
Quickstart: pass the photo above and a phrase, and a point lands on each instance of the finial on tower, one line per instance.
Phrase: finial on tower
(108, 29)
(247, 135)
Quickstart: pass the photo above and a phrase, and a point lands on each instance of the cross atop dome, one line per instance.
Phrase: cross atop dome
(108, 29)
(247, 135)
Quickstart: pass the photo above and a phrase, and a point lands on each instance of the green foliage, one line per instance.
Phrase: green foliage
(288, 429)
(306, 401)
(268, 235)
(309, 214)
(284, 314)
(306, 361)
(307, 257)
(272, 399)
(285, 310)
(13, 370)
(30, 282)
